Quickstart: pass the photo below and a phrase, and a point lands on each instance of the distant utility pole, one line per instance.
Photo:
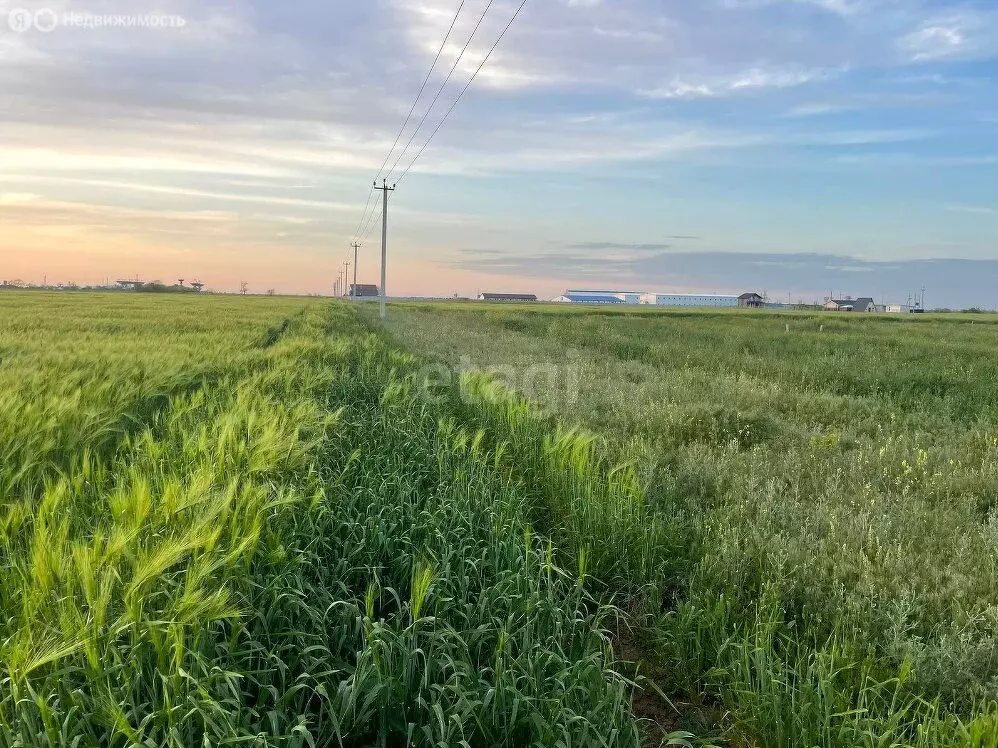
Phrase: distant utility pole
(355, 246)
(385, 189)
(346, 278)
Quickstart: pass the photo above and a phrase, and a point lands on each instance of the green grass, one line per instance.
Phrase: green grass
(247, 527)
(273, 522)
(817, 521)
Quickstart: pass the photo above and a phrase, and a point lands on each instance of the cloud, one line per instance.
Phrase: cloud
(981, 210)
(919, 160)
(632, 247)
(17, 198)
(262, 109)
(840, 7)
(935, 41)
(748, 80)
(819, 109)
(965, 35)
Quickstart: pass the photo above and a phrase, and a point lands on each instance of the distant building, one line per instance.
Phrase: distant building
(903, 309)
(590, 297)
(626, 297)
(753, 300)
(517, 297)
(364, 290)
(862, 304)
(686, 300)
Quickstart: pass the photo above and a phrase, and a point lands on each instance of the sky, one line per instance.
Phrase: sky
(801, 148)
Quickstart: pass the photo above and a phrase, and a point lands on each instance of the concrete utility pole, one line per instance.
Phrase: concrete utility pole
(355, 246)
(385, 189)
(346, 278)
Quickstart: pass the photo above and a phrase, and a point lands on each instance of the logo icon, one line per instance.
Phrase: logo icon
(21, 20)
(46, 20)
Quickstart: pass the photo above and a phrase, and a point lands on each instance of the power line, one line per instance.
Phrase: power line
(363, 215)
(440, 90)
(365, 230)
(376, 222)
(372, 221)
(375, 225)
(422, 88)
(408, 117)
(463, 91)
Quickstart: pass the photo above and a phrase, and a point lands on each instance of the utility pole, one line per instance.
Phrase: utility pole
(346, 278)
(355, 246)
(385, 189)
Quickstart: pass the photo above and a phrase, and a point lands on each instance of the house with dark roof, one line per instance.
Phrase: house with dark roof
(862, 304)
(364, 290)
(520, 297)
(752, 300)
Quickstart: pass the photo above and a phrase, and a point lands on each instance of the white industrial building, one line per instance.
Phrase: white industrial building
(682, 299)
(588, 297)
(625, 297)
(577, 296)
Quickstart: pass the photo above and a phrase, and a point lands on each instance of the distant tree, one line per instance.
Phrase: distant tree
(271, 292)
(154, 287)
(243, 285)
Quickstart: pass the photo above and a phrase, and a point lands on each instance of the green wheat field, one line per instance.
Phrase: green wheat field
(239, 521)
